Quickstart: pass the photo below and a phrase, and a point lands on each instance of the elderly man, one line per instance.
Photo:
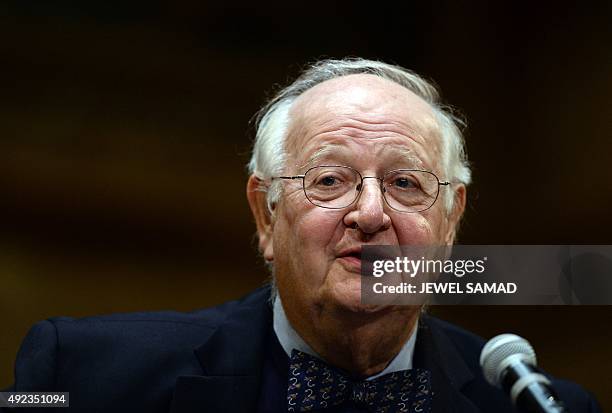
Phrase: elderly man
(353, 153)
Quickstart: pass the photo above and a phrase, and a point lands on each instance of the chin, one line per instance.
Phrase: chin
(347, 298)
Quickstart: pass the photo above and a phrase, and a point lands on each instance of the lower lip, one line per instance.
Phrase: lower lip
(352, 263)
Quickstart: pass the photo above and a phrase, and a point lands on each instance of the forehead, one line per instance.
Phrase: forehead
(362, 113)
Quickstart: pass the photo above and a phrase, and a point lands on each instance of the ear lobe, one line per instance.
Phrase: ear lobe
(261, 210)
(455, 215)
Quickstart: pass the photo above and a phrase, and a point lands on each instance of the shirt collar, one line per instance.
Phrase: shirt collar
(290, 340)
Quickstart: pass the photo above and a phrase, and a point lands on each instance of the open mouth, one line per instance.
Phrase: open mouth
(355, 254)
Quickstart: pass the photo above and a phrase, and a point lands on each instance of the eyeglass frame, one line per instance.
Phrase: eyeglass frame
(381, 179)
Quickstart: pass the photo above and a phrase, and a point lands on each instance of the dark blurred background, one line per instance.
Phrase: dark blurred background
(124, 136)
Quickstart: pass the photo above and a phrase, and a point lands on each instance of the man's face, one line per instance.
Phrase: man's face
(372, 125)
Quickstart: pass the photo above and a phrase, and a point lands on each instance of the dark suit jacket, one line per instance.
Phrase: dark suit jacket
(211, 360)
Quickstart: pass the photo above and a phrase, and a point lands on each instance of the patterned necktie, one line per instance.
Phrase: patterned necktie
(314, 385)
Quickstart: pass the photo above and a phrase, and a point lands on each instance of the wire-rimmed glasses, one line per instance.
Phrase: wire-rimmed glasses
(337, 187)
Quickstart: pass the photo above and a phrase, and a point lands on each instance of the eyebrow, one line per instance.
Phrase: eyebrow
(319, 154)
(399, 153)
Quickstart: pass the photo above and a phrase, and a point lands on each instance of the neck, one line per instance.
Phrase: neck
(362, 344)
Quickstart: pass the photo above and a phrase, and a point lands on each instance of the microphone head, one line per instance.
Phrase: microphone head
(500, 352)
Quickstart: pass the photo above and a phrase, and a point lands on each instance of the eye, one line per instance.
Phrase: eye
(405, 182)
(328, 180)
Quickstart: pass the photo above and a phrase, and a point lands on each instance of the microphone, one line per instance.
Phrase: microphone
(509, 362)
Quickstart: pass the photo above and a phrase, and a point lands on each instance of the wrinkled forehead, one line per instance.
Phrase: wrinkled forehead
(361, 106)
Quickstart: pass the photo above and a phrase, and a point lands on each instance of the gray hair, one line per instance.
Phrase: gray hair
(272, 121)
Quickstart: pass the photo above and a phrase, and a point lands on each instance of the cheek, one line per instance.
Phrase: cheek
(318, 227)
(304, 240)
(419, 230)
(317, 231)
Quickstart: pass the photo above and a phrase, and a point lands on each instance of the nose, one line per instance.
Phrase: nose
(368, 213)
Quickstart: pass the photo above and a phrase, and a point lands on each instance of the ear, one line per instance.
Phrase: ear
(460, 194)
(257, 197)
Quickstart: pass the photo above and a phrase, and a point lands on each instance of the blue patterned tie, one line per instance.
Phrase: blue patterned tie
(314, 385)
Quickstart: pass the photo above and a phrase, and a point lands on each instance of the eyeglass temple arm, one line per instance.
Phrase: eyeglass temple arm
(445, 183)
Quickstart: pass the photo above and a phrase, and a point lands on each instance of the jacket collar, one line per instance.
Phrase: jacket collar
(232, 360)
(450, 374)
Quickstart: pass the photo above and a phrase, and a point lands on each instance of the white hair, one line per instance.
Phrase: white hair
(269, 151)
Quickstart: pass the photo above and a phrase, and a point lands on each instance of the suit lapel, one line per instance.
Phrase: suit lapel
(232, 360)
(434, 351)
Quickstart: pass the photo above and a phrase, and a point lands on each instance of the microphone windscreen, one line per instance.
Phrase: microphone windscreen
(500, 351)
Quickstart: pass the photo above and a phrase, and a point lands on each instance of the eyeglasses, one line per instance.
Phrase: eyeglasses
(337, 187)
